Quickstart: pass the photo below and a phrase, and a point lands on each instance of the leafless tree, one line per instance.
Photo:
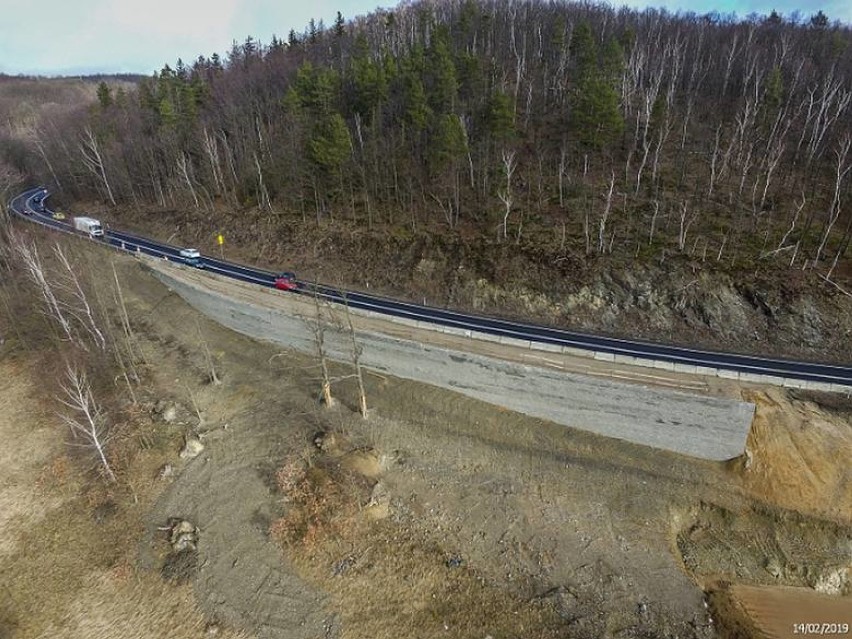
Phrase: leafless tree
(685, 223)
(182, 166)
(75, 301)
(86, 421)
(505, 194)
(318, 329)
(842, 167)
(208, 357)
(34, 267)
(605, 215)
(93, 160)
(356, 361)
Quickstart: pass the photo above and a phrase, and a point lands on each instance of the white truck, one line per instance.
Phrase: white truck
(88, 225)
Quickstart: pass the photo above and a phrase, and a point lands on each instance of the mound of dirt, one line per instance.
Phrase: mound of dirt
(799, 454)
(745, 611)
(763, 545)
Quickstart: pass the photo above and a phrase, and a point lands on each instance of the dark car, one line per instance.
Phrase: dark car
(286, 281)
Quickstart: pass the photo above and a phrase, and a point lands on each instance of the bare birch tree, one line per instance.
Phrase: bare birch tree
(602, 222)
(87, 422)
(75, 301)
(34, 267)
(93, 160)
(318, 329)
(505, 194)
(842, 167)
(356, 361)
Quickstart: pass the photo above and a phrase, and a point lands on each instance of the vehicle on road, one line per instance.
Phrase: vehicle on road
(89, 225)
(192, 257)
(286, 281)
(58, 215)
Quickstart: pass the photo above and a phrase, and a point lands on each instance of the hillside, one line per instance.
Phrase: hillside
(676, 177)
(438, 515)
(32, 111)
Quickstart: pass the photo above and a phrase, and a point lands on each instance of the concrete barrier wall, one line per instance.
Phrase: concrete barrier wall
(630, 360)
(697, 425)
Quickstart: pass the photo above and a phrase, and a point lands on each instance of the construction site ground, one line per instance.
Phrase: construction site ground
(442, 515)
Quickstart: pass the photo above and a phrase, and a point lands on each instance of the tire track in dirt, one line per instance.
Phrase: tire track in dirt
(242, 577)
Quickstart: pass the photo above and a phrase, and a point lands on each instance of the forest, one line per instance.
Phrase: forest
(568, 129)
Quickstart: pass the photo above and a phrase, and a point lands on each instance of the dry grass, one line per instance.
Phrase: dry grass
(383, 575)
(121, 604)
(30, 444)
(771, 612)
(322, 498)
(68, 541)
(384, 578)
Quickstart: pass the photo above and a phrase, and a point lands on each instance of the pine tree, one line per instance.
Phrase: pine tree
(330, 143)
(448, 142)
(500, 118)
(441, 78)
(596, 118)
(368, 78)
(104, 95)
(167, 112)
(216, 63)
(416, 108)
(316, 88)
(819, 20)
(292, 39)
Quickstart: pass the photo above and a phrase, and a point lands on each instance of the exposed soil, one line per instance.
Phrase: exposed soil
(439, 515)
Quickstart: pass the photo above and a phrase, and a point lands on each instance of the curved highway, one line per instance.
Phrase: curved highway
(31, 205)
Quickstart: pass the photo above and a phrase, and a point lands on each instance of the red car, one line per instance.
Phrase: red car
(286, 281)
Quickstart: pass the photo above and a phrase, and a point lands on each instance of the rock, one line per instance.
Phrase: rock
(325, 441)
(773, 567)
(185, 541)
(379, 505)
(212, 629)
(343, 565)
(166, 471)
(834, 581)
(169, 413)
(363, 461)
(183, 535)
(192, 448)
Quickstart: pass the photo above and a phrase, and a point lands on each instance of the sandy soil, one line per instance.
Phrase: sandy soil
(469, 521)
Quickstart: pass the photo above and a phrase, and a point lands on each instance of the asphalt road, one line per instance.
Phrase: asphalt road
(31, 205)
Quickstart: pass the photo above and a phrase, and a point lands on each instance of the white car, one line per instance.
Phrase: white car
(192, 257)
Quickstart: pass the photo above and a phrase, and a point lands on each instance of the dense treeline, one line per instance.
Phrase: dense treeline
(572, 126)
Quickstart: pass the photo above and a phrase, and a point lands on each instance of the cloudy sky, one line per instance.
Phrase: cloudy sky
(68, 37)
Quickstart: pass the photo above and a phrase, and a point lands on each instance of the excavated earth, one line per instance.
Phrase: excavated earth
(461, 518)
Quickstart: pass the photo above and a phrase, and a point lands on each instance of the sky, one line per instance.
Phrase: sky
(74, 37)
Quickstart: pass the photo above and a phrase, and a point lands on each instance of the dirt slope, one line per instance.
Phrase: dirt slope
(469, 521)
